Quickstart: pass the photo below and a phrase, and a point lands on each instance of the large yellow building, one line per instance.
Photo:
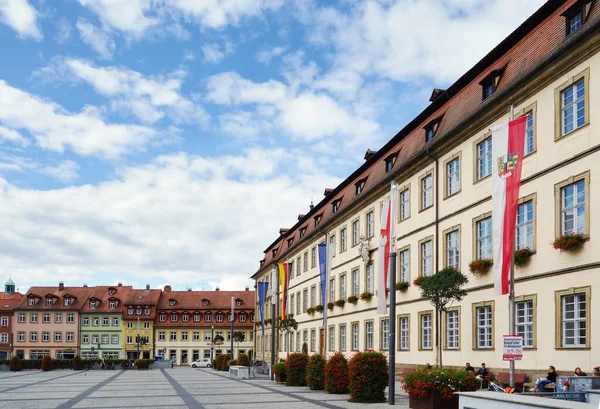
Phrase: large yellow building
(547, 68)
(139, 311)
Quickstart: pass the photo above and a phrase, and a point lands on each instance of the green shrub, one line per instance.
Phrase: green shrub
(243, 360)
(16, 364)
(446, 381)
(143, 363)
(222, 362)
(295, 368)
(336, 374)
(77, 363)
(280, 372)
(47, 363)
(315, 372)
(233, 362)
(368, 375)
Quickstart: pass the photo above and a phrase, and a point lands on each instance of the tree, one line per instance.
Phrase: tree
(441, 290)
(288, 325)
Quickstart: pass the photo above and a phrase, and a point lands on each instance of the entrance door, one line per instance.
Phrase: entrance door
(184, 356)
(321, 340)
(196, 355)
(207, 353)
(173, 356)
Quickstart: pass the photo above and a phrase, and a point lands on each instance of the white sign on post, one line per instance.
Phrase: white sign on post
(513, 348)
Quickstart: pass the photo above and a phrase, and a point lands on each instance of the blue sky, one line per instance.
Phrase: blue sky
(167, 141)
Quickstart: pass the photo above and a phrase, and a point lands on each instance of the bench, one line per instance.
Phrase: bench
(504, 379)
(486, 379)
(239, 372)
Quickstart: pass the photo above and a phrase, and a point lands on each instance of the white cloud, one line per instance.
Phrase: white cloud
(99, 39)
(21, 17)
(65, 172)
(56, 129)
(265, 56)
(124, 15)
(177, 219)
(230, 88)
(188, 55)
(409, 40)
(64, 29)
(13, 136)
(149, 98)
(214, 53)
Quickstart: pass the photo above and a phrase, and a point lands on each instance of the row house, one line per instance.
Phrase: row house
(139, 313)
(187, 322)
(46, 322)
(9, 299)
(442, 163)
(102, 323)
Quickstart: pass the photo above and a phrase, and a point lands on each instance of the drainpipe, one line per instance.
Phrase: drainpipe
(438, 318)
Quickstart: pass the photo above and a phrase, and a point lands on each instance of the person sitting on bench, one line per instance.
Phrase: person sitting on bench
(550, 378)
(469, 368)
(596, 371)
(482, 373)
(579, 372)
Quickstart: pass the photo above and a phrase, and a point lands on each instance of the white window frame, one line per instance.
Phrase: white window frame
(452, 329)
(484, 238)
(578, 299)
(404, 331)
(485, 326)
(453, 177)
(525, 231)
(385, 334)
(427, 258)
(425, 324)
(404, 204)
(525, 321)
(484, 158)
(577, 205)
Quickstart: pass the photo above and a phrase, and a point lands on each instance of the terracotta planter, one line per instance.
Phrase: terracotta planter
(280, 378)
(433, 401)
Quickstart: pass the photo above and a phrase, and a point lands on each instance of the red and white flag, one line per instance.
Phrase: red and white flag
(508, 142)
(383, 257)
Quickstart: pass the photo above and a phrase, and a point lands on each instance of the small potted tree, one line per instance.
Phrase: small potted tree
(295, 369)
(336, 374)
(368, 375)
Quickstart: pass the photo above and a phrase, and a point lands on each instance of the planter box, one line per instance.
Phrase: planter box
(280, 378)
(433, 401)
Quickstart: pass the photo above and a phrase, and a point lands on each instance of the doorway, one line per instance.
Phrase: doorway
(321, 340)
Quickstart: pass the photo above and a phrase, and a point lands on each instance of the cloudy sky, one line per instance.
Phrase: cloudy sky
(167, 141)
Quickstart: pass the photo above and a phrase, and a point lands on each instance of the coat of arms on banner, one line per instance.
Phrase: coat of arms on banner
(506, 164)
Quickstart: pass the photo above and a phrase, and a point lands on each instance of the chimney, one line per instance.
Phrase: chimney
(437, 92)
(61, 286)
(189, 289)
(247, 288)
(369, 154)
(120, 284)
(327, 192)
(216, 288)
(301, 216)
(84, 285)
(167, 288)
(147, 287)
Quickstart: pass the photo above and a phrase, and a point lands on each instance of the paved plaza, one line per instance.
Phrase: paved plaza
(160, 389)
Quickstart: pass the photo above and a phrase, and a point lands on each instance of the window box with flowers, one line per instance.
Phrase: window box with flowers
(310, 311)
(569, 242)
(340, 303)
(522, 257)
(434, 388)
(402, 286)
(366, 296)
(481, 267)
(353, 299)
(417, 281)
(268, 321)
(330, 306)
(319, 308)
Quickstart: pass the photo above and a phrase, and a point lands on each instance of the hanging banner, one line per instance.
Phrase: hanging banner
(323, 271)
(262, 296)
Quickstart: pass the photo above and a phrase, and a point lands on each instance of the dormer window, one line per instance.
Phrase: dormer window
(31, 301)
(252, 317)
(490, 83)
(196, 317)
(111, 291)
(290, 242)
(204, 302)
(208, 318)
(173, 317)
(67, 301)
(262, 263)
(302, 232)
(238, 302)
(242, 317)
(185, 318)
(93, 304)
(576, 15)
(229, 317)
(147, 311)
(171, 302)
(335, 206)
(360, 186)
(49, 301)
(162, 318)
(219, 317)
(138, 311)
(129, 311)
(431, 128)
(391, 160)
(275, 252)
(318, 219)
(112, 305)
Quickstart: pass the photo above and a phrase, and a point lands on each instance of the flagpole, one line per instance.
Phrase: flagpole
(273, 319)
(511, 284)
(392, 284)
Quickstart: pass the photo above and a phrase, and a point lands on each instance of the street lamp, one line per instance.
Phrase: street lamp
(212, 342)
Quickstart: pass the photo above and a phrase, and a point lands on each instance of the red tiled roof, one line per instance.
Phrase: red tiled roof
(192, 300)
(9, 302)
(81, 295)
(101, 293)
(536, 41)
(143, 297)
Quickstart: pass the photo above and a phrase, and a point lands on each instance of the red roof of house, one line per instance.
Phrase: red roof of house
(79, 294)
(217, 300)
(9, 302)
(102, 294)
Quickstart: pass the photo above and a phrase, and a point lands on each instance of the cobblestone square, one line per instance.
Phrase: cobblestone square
(160, 389)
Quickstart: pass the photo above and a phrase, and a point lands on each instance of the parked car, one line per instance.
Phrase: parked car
(201, 363)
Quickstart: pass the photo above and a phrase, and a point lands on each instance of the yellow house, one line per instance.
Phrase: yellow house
(138, 323)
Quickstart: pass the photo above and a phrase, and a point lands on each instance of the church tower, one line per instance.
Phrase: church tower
(9, 287)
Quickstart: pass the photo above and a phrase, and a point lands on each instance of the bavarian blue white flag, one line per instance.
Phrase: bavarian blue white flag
(262, 295)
